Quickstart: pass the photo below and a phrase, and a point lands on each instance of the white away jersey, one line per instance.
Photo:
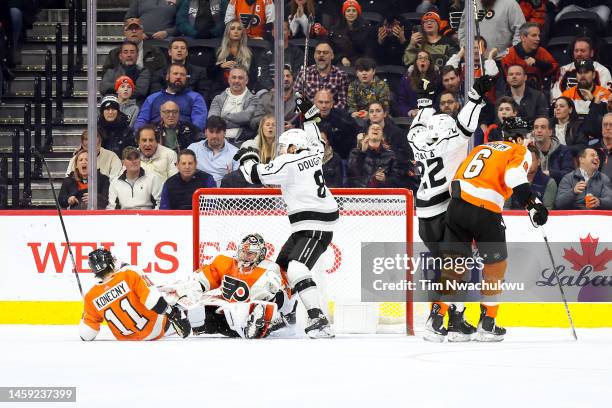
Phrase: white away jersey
(309, 202)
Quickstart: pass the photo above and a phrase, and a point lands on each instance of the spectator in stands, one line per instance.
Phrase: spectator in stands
(124, 87)
(127, 67)
(603, 145)
(586, 187)
(135, 189)
(214, 155)
(499, 26)
(372, 164)
(155, 157)
(352, 37)
(504, 108)
(448, 104)
(256, 16)
(73, 193)
(239, 108)
(440, 48)
(535, 60)
(583, 49)
(302, 15)
(267, 100)
(201, 18)
(192, 106)
(585, 90)
(534, 11)
(323, 75)
(294, 59)
(197, 77)
(265, 141)
(158, 18)
(173, 132)
(556, 160)
(451, 82)
(531, 102)
(405, 96)
(367, 88)
(113, 126)
(233, 51)
(568, 126)
(342, 127)
(392, 38)
(395, 139)
(600, 7)
(178, 190)
(149, 56)
(332, 163)
(543, 186)
(591, 126)
(107, 162)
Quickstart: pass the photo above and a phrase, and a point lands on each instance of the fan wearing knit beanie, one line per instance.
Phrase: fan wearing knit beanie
(429, 38)
(124, 86)
(352, 37)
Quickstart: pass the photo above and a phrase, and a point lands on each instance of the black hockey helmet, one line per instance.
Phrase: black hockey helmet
(514, 127)
(251, 244)
(101, 261)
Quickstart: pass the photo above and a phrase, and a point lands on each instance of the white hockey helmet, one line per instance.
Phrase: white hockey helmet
(440, 127)
(294, 137)
(251, 251)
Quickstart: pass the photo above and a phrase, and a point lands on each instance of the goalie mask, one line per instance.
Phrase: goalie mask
(440, 126)
(293, 137)
(101, 261)
(252, 251)
(514, 127)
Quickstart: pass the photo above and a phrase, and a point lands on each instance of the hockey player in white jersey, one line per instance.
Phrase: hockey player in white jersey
(440, 144)
(312, 209)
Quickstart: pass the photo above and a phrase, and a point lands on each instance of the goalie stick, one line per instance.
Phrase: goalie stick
(37, 153)
(552, 260)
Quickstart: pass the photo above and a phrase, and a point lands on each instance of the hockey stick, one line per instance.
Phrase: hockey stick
(477, 24)
(306, 43)
(38, 154)
(552, 260)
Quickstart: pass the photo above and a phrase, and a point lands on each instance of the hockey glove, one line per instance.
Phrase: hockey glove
(247, 153)
(538, 214)
(481, 86)
(181, 324)
(425, 94)
(307, 108)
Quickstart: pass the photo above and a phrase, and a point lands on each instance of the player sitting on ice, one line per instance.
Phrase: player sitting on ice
(312, 209)
(239, 294)
(133, 308)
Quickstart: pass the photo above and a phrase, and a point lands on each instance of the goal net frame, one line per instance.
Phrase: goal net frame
(270, 193)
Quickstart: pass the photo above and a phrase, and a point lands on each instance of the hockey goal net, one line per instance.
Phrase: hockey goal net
(221, 217)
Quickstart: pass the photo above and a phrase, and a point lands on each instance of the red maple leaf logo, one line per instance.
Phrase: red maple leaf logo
(589, 256)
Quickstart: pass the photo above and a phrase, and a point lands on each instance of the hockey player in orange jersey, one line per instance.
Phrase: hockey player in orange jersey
(133, 308)
(487, 177)
(240, 294)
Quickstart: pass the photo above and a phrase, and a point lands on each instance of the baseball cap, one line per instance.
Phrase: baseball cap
(130, 151)
(585, 65)
(132, 21)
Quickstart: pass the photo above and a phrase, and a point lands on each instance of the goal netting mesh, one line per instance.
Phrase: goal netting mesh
(223, 216)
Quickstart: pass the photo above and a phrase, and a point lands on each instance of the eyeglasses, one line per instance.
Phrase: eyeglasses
(422, 58)
(170, 112)
(446, 102)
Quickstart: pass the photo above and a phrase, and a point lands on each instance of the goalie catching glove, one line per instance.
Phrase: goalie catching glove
(307, 108)
(247, 153)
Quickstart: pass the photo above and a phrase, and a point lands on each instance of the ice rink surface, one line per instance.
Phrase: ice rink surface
(530, 368)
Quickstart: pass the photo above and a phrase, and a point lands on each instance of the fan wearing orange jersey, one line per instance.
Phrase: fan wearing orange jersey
(257, 16)
(487, 177)
(133, 308)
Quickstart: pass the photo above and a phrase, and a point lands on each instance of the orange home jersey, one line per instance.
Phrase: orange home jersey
(125, 302)
(236, 286)
(490, 172)
(254, 17)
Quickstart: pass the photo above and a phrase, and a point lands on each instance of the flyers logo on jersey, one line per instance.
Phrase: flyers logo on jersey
(249, 20)
(234, 289)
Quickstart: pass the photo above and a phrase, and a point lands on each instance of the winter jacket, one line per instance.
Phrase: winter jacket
(533, 103)
(575, 140)
(186, 134)
(163, 162)
(341, 131)
(191, 105)
(141, 78)
(332, 171)
(559, 160)
(130, 109)
(177, 193)
(156, 15)
(70, 187)
(116, 135)
(363, 165)
(545, 67)
(353, 43)
(143, 195)
(598, 185)
(208, 20)
(153, 58)
(543, 186)
(108, 163)
(247, 120)
(440, 51)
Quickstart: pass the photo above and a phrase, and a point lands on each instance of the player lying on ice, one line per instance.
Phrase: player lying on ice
(132, 307)
(239, 294)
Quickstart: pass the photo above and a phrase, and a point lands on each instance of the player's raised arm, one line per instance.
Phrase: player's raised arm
(467, 119)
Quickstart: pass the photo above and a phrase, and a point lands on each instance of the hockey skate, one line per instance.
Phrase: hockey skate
(458, 329)
(488, 331)
(434, 326)
(317, 326)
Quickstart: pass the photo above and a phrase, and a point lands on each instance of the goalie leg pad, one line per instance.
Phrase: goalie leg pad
(493, 273)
